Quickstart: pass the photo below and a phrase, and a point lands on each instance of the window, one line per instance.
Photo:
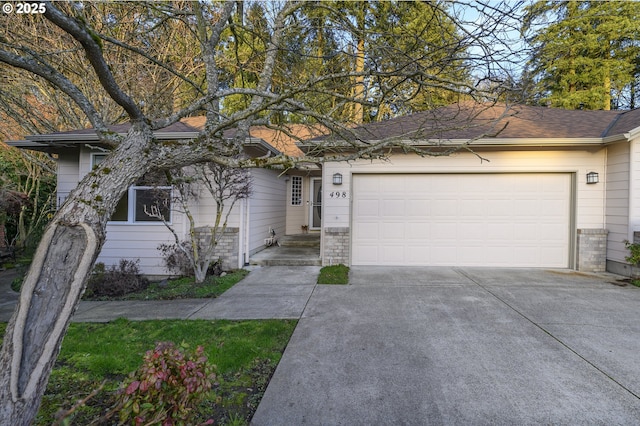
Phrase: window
(144, 204)
(151, 204)
(141, 203)
(296, 190)
(97, 159)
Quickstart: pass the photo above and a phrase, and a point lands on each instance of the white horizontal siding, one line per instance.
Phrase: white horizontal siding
(139, 241)
(68, 174)
(267, 207)
(617, 201)
(634, 187)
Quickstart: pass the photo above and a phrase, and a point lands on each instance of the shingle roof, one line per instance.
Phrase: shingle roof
(463, 121)
(624, 122)
(469, 121)
(283, 139)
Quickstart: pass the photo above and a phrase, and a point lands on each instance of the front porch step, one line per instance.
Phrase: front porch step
(294, 250)
(300, 240)
(288, 262)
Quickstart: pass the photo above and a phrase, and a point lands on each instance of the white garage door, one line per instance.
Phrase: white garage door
(512, 220)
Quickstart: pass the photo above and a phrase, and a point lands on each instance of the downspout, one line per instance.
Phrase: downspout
(247, 234)
(606, 183)
(241, 232)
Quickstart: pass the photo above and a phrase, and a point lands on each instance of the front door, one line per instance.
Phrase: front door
(315, 218)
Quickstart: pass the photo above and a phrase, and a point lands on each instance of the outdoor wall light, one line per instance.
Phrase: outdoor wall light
(592, 177)
(337, 179)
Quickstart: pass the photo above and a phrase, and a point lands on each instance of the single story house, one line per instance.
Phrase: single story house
(133, 234)
(535, 187)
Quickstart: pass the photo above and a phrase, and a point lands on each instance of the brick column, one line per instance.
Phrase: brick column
(227, 248)
(592, 250)
(336, 246)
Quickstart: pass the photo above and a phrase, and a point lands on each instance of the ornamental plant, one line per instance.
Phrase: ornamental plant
(167, 387)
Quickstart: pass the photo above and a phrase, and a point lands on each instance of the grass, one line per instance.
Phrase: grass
(336, 274)
(186, 288)
(245, 353)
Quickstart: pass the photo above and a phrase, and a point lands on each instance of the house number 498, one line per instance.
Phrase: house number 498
(338, 194)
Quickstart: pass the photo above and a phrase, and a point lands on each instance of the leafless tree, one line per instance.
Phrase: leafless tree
(226, 186)
(72, 241)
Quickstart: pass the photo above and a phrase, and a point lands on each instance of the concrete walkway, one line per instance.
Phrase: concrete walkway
(465, 346)
(279, 292)
(420, 346)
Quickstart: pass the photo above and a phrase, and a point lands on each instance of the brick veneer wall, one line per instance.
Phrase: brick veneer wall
(592, 250)
(227, 248)
(336, 246)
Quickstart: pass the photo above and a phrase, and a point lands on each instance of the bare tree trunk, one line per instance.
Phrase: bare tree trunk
(49, 296)
(57, 278)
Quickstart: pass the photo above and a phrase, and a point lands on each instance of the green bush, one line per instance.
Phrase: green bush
(166, 388)
(16, 283)
(634, 250)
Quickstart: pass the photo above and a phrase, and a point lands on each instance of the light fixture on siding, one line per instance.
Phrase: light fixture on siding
(337, 179)
(592, 177)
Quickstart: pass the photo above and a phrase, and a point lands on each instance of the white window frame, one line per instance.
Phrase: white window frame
(297, 188)
(94, 155)
(131, 200)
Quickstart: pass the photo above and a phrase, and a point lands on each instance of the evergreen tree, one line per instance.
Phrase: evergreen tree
(584, 53)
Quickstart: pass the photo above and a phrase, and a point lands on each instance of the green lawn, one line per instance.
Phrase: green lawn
(184, 288)
(245, 353)
(336, 274)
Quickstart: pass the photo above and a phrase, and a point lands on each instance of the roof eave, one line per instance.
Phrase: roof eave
(70, 140)
(93, 137)
(485, 142)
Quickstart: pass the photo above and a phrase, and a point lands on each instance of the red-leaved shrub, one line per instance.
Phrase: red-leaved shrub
(166, 388)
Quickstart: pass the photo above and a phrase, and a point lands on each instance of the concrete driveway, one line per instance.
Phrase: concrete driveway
(418, 346)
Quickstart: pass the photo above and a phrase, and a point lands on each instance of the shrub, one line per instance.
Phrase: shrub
(116, 281)
(166, 388)
(175, 260)
(634, 253)
(16, 283)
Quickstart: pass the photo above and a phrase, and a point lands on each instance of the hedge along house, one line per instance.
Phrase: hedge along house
(133, 234)
(531, 187)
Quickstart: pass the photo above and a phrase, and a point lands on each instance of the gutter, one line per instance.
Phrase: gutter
(74, 139)
(486, 142)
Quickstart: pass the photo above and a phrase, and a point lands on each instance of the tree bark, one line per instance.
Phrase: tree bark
(58, 276)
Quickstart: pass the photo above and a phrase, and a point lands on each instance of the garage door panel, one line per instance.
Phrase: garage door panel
(551, 233)
(457, 219)
(417, 232)
(392, 231)
(417, 208)
(394, 208)
(472, 208)
(444, 256)
(444, 208)
(366, 207)
(367, 254)
(395, 253)
(368, 231)
(444, 232)
(471, 232)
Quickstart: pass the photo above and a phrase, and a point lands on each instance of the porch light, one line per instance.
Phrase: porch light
(592, 177)
(337, 179)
